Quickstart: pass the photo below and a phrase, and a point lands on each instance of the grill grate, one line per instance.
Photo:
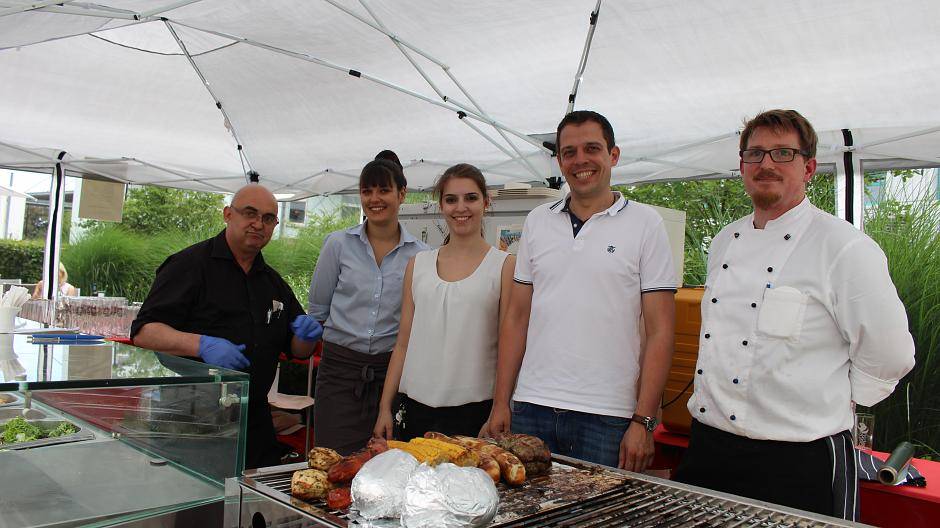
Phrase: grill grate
(636, 503)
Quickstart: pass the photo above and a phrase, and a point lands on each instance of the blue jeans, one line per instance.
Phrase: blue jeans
(592, 437)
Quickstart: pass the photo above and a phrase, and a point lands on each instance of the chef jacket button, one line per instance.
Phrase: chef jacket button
(735, 381)
(701, 409)
(699, 371)
(733, 418)
(786, 236)
(753, 305)
(724, 266)
(744, 342)
(736, 235)
(714, 300)
(770, 269)
(707, 336)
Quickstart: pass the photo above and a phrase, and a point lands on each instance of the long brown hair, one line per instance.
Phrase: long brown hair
(461, 170)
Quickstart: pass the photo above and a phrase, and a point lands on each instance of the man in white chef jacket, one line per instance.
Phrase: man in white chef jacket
(800, 321)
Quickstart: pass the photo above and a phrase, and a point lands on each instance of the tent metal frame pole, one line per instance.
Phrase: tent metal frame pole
(305, 178)
(50, 259)
(181, 175)
(380, 27)
(918, 133)
(582, 65)
(680, 148)
(323, 62)
(88, 10)
(218, 102)
(850, 184)
(711, 170)
(72, 164)
(395, 38)
(168, 7)
(496, 144)
(71, 35)
(449, 105)
(527, 164)
(79, 165)
(31, 7)
(888, 155)
(384, 29)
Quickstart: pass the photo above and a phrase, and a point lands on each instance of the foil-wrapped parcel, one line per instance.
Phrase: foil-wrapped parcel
(379, 487)
(448, 496)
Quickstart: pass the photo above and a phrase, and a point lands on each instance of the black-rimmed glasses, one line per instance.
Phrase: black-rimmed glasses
(779, 155)
(252, 214)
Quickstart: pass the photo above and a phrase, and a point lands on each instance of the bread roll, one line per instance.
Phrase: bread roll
(309, 484)
(322, 458)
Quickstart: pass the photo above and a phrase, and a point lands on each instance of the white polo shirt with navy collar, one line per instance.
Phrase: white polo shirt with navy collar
(583, 344)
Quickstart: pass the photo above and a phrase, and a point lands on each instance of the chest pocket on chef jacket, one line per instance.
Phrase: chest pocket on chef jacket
(781, 313)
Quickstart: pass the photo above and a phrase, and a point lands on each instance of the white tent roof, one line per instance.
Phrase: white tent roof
(128, 88)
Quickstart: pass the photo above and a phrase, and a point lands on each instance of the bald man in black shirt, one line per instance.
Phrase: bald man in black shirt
(219, 301)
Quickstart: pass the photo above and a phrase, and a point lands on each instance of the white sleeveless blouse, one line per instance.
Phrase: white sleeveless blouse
(451, 358)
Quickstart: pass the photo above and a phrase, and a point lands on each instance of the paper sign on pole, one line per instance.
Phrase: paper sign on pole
(101, 200)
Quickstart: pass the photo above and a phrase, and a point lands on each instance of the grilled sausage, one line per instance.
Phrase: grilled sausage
(527, 447)
(489, 464)
(510, 467)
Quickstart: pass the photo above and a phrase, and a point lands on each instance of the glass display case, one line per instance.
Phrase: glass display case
(104, 434)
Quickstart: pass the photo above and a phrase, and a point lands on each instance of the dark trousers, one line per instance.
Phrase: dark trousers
(418, 418)
(817, 476)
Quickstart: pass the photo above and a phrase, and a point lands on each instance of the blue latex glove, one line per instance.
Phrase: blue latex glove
(306, 328)
(222, 353)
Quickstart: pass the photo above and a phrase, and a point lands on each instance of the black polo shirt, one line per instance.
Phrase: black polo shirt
(203, 290)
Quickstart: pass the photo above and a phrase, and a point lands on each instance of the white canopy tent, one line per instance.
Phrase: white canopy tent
(165, 92)
(195, 93)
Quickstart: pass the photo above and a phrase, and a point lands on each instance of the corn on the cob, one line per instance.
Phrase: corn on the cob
(429, 455)
(456, 454)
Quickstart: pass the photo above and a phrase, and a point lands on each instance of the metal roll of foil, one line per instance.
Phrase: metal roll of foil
(448, 496)
(378, 489)
(895, 468)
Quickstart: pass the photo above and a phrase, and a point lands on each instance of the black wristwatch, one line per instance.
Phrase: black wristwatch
(649, 422)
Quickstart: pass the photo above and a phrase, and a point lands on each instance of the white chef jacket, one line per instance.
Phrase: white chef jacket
(799, 319)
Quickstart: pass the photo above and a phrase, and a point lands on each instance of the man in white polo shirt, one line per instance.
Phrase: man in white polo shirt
(800, 320)
(589, 266)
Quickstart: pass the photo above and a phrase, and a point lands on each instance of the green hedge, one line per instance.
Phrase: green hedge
(122, 263)
(21, 259)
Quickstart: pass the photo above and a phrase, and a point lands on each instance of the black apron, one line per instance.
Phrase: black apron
(346, 401)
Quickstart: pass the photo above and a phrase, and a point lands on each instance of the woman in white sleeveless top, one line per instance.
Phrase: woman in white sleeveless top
(444, 361)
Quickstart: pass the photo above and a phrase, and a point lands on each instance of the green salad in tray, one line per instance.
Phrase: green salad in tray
(19, 430)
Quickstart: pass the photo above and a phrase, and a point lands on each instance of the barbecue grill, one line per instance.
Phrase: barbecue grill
(574, 494)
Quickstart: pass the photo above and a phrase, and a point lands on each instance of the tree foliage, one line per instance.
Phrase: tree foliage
(711, 205)
(152, 210)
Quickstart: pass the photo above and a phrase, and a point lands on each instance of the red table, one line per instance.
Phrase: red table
(886, 506)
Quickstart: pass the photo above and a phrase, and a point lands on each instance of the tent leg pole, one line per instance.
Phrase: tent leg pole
(850, 184)
(50, 260)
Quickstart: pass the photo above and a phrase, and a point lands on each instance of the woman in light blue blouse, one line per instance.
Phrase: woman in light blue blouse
(356, 292)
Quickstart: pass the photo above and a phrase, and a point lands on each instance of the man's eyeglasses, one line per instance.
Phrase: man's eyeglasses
(780, 155)
(251, 215)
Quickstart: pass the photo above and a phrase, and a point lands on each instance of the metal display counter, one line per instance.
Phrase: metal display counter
(152, 438)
